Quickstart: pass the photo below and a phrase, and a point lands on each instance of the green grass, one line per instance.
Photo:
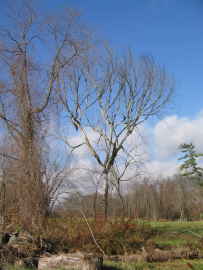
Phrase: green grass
(177, 265)
(178, 226)
(169, 243)
(175, 234)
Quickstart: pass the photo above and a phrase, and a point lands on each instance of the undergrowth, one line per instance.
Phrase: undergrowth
(114, 237)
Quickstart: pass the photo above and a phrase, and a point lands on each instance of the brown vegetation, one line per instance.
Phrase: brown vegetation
(28, 89)
(175, 198)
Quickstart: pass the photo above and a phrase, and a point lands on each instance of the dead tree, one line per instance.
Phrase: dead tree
(111, 99)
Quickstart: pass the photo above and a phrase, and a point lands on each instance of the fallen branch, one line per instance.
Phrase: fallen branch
(92, 234)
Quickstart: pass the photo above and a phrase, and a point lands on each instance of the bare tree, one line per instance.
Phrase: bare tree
(57, 184)
(33, 53)
(111, 98)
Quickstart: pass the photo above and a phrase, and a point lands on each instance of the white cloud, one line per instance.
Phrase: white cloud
(157, 146)
(156, 168)
(79, 140)
(170, 132)
(166, 136)
(135, 144)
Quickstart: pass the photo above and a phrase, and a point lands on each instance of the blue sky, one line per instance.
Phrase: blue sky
(172, 32)
(169, 30)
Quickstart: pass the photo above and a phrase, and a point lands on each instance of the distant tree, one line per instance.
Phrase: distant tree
(190, 161)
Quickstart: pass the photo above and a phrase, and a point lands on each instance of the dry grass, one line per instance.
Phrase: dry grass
(114, 237)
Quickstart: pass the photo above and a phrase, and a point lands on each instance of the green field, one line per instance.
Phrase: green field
(170, 235)
(178, 234)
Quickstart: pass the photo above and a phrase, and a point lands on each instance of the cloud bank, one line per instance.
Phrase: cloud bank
(157, 146)
(167, 135)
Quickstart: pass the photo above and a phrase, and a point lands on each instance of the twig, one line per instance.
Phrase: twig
(91, 232)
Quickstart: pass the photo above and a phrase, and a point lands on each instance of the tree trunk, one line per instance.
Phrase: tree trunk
(31, 201)
(95, 205)
(106, 197)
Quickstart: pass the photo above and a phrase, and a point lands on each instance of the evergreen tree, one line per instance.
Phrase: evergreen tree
(190, 157)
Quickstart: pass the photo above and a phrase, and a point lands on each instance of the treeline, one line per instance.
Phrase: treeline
(174, 198)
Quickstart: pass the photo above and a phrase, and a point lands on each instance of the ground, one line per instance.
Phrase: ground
(166, 236)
